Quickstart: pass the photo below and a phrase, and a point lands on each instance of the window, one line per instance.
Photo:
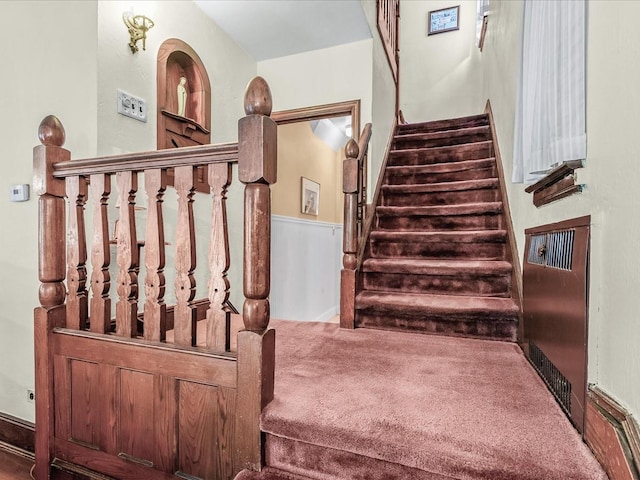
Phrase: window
(481, 22)
(550, 111)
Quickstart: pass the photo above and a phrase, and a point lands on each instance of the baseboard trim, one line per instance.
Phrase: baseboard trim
(516, 275)
(17, 438)
(613, 436)
(17, 432)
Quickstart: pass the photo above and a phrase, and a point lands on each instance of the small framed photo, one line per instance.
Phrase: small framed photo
(444, 20)
(310, 198)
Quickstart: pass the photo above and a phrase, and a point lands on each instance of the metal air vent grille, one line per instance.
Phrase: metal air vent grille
(553, 249)
(555, 380)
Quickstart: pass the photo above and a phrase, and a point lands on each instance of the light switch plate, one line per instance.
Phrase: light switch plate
(132, 106)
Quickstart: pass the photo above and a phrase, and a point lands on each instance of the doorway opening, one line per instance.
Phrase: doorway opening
(307, 210)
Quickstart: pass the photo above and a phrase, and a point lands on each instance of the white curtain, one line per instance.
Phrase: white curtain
(550, 110)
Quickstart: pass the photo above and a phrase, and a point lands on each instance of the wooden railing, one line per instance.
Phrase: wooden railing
(388, 14)
(161, 362)
(363, 163)
(354, 187)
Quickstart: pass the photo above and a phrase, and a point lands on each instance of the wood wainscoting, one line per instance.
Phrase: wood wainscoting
(613, 435)
(16, 432)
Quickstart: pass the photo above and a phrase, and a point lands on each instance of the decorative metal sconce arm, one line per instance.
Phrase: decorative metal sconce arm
(138, 25)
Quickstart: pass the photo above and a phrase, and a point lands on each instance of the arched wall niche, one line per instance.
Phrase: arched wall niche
(177, 59)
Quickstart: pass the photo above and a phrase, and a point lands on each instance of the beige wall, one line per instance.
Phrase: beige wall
(303, 154)
(229, 68)
(49, 67)
(611, 177)
(329, 75)
(440, 74)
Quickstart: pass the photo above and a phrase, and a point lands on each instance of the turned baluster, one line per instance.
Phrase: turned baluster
(51, 272)
(127, 257)
(218, 319)
(155, 310)
(185, 319)
(100, 308)
(257, 151)
(350, 235)
(77, 306)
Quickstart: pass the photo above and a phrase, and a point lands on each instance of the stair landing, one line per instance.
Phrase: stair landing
(355, 404)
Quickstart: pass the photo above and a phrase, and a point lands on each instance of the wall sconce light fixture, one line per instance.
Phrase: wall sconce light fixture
(138, 25)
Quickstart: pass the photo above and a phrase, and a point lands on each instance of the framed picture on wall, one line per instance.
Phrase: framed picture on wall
(443, 20)
(310, 196)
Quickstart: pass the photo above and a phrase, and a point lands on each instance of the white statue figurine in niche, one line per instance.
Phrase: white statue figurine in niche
(182, 97)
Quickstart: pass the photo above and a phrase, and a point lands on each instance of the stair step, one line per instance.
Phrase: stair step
(455, 153)
(442, 138)
(449, 124)
(442, 172)
(481, 317)
(443, 186)
(453, 237)
(437, 267)
(269, 473)
(463, 192)
(453, 277)
(467, 245)
(321, 462)
(472, 216)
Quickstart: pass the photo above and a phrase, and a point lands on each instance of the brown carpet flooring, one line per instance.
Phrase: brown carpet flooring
(349, 402)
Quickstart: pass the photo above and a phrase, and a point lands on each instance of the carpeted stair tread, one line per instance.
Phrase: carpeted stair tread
(442, 138)
(356, 404)
(482, 208)
(446, 167)
(425, 304)
(467, 236)
(269, 473)
(452, 153)
(436, 267)
(449, 124)
(484, 183)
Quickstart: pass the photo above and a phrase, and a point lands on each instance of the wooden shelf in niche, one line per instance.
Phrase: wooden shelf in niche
(558, 183)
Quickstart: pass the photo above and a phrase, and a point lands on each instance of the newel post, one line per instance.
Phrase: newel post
(51, 273)
(257, 151)
(350, 235)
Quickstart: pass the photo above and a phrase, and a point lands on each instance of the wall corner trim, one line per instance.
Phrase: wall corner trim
(613, 435)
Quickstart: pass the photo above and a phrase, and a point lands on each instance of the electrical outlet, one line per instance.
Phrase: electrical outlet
(132, 106)
(31, 396)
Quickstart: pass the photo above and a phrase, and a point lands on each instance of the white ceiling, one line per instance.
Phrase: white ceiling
(276, 28)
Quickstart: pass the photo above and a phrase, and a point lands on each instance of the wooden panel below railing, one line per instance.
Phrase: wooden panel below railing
(124, 416)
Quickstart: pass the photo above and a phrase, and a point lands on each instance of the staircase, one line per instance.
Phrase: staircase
(380, 403)
(437, 260)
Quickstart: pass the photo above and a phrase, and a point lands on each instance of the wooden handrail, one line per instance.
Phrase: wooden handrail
(387, 20)
(363, 186)
(175, 157)
(368, 223)
(363, 143)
